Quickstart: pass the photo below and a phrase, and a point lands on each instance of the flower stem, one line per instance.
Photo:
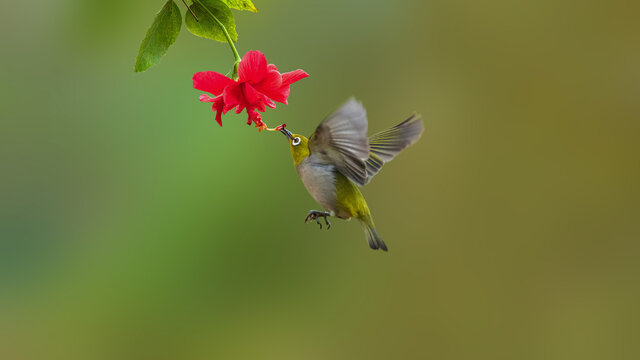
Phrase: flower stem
(226, 34)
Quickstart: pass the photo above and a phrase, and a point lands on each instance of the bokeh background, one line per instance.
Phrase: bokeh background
(133, 227)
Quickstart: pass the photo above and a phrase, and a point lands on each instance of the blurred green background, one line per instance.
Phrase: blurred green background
(133, 227)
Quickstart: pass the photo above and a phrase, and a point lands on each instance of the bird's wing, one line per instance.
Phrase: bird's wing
(385, 145)
(341, 139)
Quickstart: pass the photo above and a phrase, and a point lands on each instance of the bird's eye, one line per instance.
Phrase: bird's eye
(295, 141)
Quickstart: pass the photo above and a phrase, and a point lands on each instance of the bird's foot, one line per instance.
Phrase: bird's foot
(316, 215)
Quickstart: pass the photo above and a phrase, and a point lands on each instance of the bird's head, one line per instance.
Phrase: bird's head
(298, 144)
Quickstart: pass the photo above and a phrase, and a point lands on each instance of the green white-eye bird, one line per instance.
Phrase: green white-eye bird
(339, 157)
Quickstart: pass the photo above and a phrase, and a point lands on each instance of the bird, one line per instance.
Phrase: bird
(338, 158)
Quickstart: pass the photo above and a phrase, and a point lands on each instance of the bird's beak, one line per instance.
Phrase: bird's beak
(287, 133)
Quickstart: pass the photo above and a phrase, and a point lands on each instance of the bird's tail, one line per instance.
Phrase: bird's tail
(375, 241)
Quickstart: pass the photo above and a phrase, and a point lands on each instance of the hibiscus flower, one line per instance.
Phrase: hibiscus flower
(257, 87)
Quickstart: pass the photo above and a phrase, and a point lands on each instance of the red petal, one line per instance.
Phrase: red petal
(255, 99)
(217, 106)
(268, 102)
(293, 76)
(233, 97)
(281, 94)
(277, 94)
(218, 109)
(252, 67)
(271, 80)
(250, 94)
(211, 81)
(254, 117)
(206, 98)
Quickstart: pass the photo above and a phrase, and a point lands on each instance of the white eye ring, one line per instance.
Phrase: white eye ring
(295, 141)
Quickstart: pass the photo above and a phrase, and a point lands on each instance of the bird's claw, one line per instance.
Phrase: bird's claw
(316, 215)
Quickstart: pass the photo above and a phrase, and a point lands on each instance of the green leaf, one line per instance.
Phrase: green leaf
(241, 5)
(207, 27)
(162, 33)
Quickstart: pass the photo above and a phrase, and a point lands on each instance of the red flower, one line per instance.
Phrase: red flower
(257, 87)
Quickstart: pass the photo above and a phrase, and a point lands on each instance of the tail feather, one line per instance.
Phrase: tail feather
(375, 241)
(385, 145)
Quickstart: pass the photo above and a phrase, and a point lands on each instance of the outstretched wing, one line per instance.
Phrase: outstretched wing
(385, 145)
(341, 139)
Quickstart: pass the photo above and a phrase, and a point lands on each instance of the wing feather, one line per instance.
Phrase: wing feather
(385, 145)
(341, 139)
